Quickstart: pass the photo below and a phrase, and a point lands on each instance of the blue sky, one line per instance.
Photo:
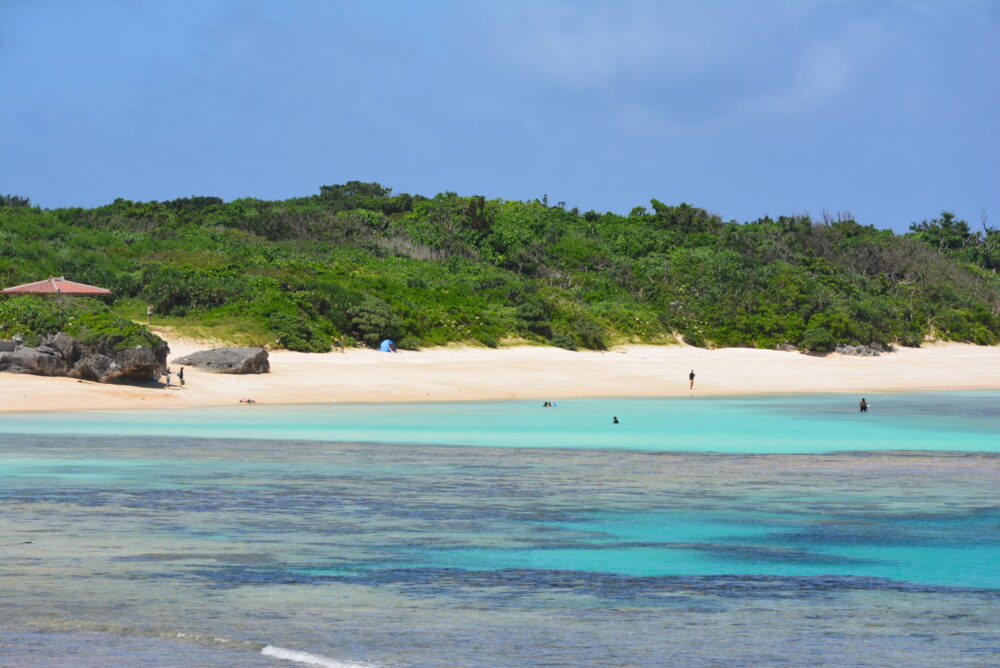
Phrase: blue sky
(887, 110)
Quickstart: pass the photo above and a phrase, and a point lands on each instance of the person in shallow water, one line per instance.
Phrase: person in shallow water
(614, 420)
(863, 405)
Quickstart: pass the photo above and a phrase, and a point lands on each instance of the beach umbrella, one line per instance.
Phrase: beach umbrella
(56, 286)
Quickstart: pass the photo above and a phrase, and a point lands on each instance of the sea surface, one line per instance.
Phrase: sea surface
(761, 531)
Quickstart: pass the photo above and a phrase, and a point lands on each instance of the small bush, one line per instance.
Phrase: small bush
(408, 343)
(590, 335)
(373, 320)
(294, 332)
(818, 340)
(564, 340)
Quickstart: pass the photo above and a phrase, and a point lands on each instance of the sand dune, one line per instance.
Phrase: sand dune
(456, 373)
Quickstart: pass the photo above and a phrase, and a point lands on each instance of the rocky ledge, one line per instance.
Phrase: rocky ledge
(62, 355)
(228, 360)
(871, 350)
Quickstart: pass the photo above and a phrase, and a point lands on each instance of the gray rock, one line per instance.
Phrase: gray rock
(62, 355)
(871, 350)
(98, 367)
(63, 345)
(35, 361)
(141, 361)
(228, 360)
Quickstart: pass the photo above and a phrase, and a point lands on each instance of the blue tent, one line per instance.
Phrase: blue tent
(387, 346)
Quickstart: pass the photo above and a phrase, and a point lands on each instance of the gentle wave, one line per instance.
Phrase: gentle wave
(310, 659)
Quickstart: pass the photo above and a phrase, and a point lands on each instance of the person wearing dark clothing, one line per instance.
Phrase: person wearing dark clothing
(691, 378)
(863, 405)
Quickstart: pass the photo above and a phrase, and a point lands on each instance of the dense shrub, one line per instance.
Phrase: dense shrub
(564, 340)
(818, 340)
(373, 320)
(84, 319)
(111, 331)
(32, 317)
(294, 332)
(358, 260)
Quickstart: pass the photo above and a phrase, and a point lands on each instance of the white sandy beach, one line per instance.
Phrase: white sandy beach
(457, 374)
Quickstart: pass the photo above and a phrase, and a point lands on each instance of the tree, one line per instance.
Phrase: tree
(14, 201)
(944, 233)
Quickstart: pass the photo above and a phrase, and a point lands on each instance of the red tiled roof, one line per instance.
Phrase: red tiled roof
(55, 285)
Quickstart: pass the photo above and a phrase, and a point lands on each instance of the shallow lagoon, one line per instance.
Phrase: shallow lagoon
(966, 421)
(164, 548)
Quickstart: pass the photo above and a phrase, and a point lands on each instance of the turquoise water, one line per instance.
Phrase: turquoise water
(754, 531)
(782, 424)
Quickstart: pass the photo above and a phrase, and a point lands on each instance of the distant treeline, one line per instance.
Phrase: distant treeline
(358, 261)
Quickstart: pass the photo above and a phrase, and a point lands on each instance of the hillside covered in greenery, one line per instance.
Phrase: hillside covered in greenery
(358, 261)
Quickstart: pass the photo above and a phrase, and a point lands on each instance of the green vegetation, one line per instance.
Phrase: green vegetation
(358, 261)
(86, 320)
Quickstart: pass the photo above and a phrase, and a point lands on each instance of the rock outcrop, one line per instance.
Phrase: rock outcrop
(871, 350)
(228, 360)
(62, 355)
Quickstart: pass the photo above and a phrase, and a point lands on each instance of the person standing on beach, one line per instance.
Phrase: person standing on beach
(691, 378)
(863, 405)
(167, 374)
(180, 376)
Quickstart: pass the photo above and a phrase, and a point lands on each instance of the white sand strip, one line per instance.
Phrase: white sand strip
(456, 374)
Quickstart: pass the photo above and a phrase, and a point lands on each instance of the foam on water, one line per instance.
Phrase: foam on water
(310, 659)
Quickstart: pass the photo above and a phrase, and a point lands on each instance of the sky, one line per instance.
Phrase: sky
(880, 109)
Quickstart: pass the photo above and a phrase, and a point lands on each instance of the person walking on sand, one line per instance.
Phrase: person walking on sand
(180, 376)
(167, 374)
(691, 378)
(863, 405)
(149, 314)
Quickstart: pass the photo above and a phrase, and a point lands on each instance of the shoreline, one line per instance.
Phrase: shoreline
(537, 373)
